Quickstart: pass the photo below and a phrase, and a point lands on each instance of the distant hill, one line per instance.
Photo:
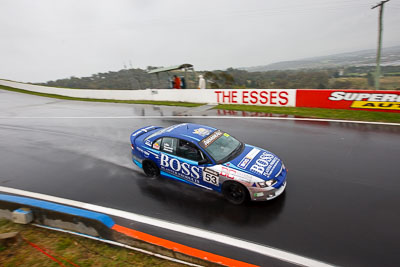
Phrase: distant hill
(342, 71)
(390, 57)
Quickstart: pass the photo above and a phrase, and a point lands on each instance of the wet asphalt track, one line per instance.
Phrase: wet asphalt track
(341, 205)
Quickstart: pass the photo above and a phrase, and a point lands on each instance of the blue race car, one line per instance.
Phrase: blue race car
(209, 158)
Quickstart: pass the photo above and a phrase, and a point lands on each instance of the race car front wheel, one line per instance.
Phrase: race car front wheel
(151, 169)
(234, 192)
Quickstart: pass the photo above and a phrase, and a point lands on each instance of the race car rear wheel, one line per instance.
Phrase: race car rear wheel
(235, 192)
(151, 169)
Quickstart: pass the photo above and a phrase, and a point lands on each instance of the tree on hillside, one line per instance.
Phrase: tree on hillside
(130, 79)
(341, 84)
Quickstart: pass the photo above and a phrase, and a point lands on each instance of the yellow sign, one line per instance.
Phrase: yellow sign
(376, 105)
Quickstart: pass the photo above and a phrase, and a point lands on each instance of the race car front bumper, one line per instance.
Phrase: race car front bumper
(263, 194)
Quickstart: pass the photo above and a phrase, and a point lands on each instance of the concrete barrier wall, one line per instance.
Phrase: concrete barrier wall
(268, 97)
(388, 101)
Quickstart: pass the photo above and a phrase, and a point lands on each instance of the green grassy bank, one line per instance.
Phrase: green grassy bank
(66, 249)
(341, 114)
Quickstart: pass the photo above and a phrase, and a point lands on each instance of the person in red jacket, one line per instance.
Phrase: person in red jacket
(177, 82)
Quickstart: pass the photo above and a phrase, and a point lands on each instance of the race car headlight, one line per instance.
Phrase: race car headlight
(266, 183)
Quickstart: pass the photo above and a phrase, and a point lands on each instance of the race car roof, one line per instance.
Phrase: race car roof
(196, 132)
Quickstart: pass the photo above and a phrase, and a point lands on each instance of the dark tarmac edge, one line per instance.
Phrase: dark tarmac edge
(102, 227)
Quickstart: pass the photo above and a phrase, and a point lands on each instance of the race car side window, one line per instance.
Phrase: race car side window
(168, 145)
(189, 151)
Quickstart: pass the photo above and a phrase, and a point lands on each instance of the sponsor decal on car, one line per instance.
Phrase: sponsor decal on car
(228, 172)
(235, 175)
(180, 169)
(167, 147)
(265, 164)
(210, 139)
(202, 132)
(211, 176)
(248, 158)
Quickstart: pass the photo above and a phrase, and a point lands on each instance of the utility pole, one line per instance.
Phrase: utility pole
(378, 53)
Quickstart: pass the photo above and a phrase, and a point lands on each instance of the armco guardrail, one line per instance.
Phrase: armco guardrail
(388, 101)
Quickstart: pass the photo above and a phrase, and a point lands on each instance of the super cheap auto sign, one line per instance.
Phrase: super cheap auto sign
(267, 97)
(388, 101)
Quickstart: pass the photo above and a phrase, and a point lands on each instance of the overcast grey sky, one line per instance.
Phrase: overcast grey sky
(45, 40)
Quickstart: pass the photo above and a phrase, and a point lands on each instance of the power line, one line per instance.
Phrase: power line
(380, 4)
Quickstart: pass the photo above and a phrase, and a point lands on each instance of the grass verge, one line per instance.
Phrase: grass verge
(64, 247)
(357, 115)
(163, 103)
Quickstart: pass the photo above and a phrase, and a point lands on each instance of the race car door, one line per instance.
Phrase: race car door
(190, 153)
(178, 162)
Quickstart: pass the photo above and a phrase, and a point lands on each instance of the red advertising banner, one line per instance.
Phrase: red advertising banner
(267, 97)
(388, 101)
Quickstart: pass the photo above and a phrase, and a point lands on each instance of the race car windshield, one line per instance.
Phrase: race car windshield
(223, 147)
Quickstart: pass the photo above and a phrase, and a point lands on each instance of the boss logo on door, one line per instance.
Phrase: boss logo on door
(180, 169)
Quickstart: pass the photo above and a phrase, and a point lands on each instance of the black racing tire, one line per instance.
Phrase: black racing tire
(235, 192)
(151, 169)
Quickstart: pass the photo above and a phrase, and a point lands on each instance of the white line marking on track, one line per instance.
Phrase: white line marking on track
(231, 241)
(205, 117)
